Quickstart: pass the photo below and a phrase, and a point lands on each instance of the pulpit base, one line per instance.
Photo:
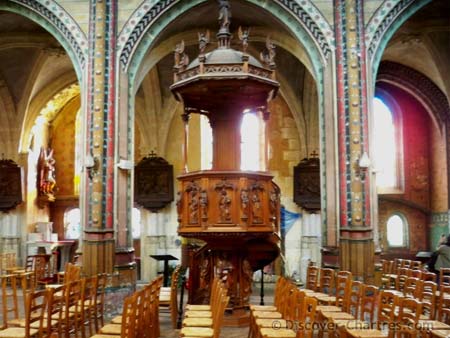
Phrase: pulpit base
(236, 318)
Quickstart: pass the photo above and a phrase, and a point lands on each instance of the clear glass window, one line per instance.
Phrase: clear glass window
(396, 231)
(72, 224)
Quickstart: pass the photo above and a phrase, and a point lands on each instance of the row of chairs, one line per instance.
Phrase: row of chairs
(206, 320)
(57, 311)
(292, 315)
(140, 315)
(356, 305)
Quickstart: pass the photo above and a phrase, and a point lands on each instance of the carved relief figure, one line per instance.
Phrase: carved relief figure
(256, 207)
(268, 56)
(203, 41)
(181, 58)
(193, 207)
(179, 204)
(205, 274)
(224, 206)
(244, 202)
(204, 204)
(243, 36)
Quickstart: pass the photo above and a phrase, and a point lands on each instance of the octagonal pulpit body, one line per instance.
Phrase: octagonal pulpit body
(237, 213)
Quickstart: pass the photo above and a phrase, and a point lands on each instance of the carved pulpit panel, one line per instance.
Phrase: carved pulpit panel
(10, 185)
(307, 184)
(153, 183)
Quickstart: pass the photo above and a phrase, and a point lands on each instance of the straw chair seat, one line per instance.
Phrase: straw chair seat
(198, 322)
(198, 307)
(202, 314)
(203, 332)
(267, 314)
(328, 308)
(337, 315)
(17, 332)
(278, 333)
(117, 320)
(371, 333)
(271, 322)
(263, 308)
(112, 329)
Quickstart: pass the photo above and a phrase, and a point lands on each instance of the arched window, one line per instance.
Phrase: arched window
(136, 223)
(386, 148)
(250, 141)
(72, 224)
(397, 231)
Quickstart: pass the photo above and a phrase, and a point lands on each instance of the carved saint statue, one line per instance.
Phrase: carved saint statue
(181, 58)
(243, 36)
(268, 56)
(193, 206)
(46, 172)
(247, 279)
(224, 206)
(203, 41)
(224, 14)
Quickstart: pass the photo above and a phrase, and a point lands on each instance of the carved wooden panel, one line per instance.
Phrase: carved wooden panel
(10, 185)
(153, 183)
(307, 184)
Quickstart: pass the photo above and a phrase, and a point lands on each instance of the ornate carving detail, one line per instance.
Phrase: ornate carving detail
(46, 179)
(246, 281)
(224, 15)
(256, 191)
(307, 184)
(375, 35)
(274, 203)
(223, 69)
(179, 205)
(203, 41)
(224, 201)
(193, 191)
(153, 183)
(268, 56)
(10, 185)
(204, 204)
(244, 204)
(259, 71)
(73, 34)
(181, 58)
(243, 36)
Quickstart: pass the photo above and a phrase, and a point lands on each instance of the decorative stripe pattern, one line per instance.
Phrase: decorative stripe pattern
(352, 113)
(149, 11)
(137, 25)
(313, 20)
(62, 21)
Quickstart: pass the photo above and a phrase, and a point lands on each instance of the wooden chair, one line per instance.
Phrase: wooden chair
(279, 288)
(428, 298)
(53, 319)
(34, 313)
(408, 317)
(168, 297)
(326, 281)
(312, 277)
(128, 324)
(306, 318)
(412, 287)
(443, 313)
(343, 281)
(416, 265)
(71, 324)
(402, 275)
(10, 304)
(207, 332)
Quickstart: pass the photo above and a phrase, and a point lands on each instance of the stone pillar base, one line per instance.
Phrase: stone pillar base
(357, 256)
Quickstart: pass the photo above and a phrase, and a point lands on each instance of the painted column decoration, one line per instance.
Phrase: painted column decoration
(355, 228)
(99, 243)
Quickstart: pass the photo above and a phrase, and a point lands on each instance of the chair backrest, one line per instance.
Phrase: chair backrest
(10, 306)
(428, 298)
(72, 299)
(397, 264)
(444, 276)
(428, 276)
(312, 277)
(386, 305)
(307, 318)
(130, 308)
(408, 316)
(343, 289)
(412, 287)
(35, 310)
(416, 265)
(416, 273)
(444, 304)
(406, 263)
(100, 300)
(218, 319)
(369, 296)
(55, 309)
(354, 298)
(402, 275)
(326, 280)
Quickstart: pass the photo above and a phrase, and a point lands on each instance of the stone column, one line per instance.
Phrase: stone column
(98, 225)
(355, 235)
